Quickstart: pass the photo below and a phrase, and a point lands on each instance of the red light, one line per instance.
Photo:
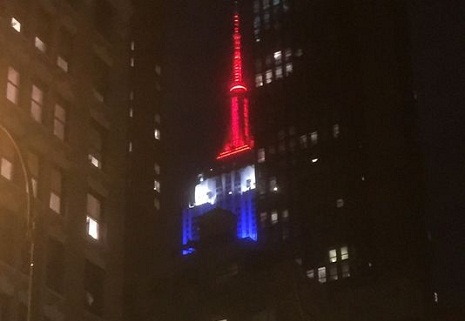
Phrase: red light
(239, 139)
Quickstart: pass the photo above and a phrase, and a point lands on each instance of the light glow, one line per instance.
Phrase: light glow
(238, 139)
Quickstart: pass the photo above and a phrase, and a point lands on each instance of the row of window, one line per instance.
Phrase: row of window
(338, 267)
(62, 59)
(266, 12)
(305, 141)
(273, 218)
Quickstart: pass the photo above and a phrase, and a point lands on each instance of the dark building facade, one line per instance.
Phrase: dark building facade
(144, 222)
(64, 93)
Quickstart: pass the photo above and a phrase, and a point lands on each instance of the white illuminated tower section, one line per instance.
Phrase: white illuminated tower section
(238, 138)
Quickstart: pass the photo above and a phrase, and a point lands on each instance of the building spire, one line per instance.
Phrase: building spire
(238, 139)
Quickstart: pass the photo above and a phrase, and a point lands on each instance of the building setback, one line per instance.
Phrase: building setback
(64, 102)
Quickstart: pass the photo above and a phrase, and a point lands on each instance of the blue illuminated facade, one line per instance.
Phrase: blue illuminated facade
(233, 191)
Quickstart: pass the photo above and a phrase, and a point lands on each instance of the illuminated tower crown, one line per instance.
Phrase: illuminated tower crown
(238, 138)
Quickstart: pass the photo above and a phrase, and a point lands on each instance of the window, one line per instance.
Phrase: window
(12, 86)
(274, 217)
(340, 203)
(93, 286)
(158, 70)
(132, 45)
(256, 6)
(314, 138)
(156, 203)
(332, 255)
(157, 118)
(96, 147)
(55, 202)
(156, 134)
(130, 147)
(344, 253)
(62, 63)
(288, 54)
(6, 169)
(261, 155)
(273, 184)
(279, 72)
(268, 76)
(94, 209)
(156, 185)
(345, 270)
(303, 141)
(310, 274)
(333, 272)
(263, 218)
(65, 49)
(322, 274)
(15, 24)
(156, 168)
(288, 68)
(285, 215)
(277, 57)
(336, 131)
(55, 267)
(314, 160)
(276, 2)
(266, 4)
(59, 122)
(258, 80)
(37, 101)
(39, 44)
(131, 62)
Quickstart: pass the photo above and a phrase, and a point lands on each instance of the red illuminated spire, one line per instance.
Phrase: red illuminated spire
(239, 138)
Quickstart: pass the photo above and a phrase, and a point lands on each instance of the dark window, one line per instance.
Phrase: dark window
(104, 13)
(55, 265)
(94, 278)
(4, 303)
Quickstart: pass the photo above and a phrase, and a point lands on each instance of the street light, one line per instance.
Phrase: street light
(30, 224)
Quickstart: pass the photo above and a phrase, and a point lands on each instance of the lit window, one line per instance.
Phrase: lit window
(332, 256)
(156, 168)
(94, 212)
(132, 45)
(62, 63)
(344, 253)
(131, 112)
(156, 185)
(314, 138)
(268, 76)
(130, 147)
(12, 86)
(273, 184)
(263, 217)
(274, 217)
(322, 274)
(435, 297)
(258, 80)
(158, 70)
(131, 63)
(299, 52)
(92, 228)
(277, 57)
(276, 2)
(40, 44)
(288, 68)
(261, 155)
(156, 134)
(310, 274)
(15, 24)
(333, 272)
(336, 130)
(256, 34)
(37, 100)
(33, 166)
(340, 203)
(314, 160)
(345, 270)
(303, 141)
(55, 191)
(131, 95)
(59, 122)
(6, 169)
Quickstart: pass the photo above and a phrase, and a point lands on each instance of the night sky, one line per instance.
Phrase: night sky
(197, 70)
